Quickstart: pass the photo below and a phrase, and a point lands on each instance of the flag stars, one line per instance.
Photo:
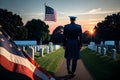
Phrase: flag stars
(10, 45)
(2, 40)
(8, 37)
(0, 32)
(19, 49)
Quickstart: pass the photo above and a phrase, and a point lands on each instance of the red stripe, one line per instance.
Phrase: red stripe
(13, 67)
(50, 17)
(37, 65)
(30, 59)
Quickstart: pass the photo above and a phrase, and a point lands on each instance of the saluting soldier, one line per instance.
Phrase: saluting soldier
(72, 44)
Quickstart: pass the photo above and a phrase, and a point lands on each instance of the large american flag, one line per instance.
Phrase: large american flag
(50, 14)
(13, 59)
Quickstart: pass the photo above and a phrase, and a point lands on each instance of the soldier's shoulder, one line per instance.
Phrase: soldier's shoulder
(78, 25)
(67, 24)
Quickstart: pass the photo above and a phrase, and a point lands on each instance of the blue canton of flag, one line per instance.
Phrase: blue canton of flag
(50, 14)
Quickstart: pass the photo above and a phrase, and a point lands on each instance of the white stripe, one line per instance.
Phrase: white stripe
(22, 61)
(16, 59)
(50, 17)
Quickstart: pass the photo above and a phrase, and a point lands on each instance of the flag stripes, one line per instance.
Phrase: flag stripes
(15, 60)
(50, 14)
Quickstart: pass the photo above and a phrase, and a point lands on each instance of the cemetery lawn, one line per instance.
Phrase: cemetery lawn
(101, 67)
(51, 61)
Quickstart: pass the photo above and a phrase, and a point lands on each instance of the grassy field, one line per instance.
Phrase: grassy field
(101, 67)
(51, 61)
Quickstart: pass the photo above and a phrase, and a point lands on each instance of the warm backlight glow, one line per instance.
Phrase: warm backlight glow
(91, 31)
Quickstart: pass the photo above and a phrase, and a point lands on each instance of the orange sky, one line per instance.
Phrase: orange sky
(86, 25)
(88, 12)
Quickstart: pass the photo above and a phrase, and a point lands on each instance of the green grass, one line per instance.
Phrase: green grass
(51, 61)
(101, 67)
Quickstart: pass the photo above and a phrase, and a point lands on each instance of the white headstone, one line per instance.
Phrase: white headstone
(92, 43)
(104, 51)
(41, 52)
(35, 49)
(99, 49)
(23, 48)
(57, 47)
(30, 51)
(50, 46)
(92, 46)
(101, 43)
(113, 54)
(47, 49)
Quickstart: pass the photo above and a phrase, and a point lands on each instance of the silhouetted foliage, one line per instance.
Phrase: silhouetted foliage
(57, 36)
(12, 24)
(86, 37)
(37, 30)
(109, 29)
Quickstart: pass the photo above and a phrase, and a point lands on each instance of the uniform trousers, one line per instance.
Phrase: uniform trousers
(73, 64)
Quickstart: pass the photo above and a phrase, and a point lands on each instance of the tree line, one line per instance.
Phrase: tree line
(32, 30)
(108, 29)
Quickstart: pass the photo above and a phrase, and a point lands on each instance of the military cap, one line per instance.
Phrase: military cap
(72, 17)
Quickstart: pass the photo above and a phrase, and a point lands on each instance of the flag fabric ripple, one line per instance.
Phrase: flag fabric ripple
(50, 14)
(15, 60)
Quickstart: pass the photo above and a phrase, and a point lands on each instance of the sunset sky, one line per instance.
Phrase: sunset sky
(88, 12)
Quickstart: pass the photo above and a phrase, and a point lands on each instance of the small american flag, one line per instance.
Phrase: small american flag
(13, 59)
(50, 14)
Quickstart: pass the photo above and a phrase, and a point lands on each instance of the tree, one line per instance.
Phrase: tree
(109, 29)
(37, 30)
(12, 24)
(86, 37)
(57, 35)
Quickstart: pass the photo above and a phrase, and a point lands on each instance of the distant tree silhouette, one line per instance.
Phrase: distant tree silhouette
(109, 29)
(57, 35)
(12, 24)
(37, 30)
(86, 37)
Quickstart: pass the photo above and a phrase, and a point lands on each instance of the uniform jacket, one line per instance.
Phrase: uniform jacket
(72, 40)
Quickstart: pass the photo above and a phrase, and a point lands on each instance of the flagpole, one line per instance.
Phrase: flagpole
(44, 10)
(44, 4)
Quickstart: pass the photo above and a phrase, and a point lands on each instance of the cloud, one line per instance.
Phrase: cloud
(99, 11)
(22, 10)
(33, 14)
(94, 11)
(89, 12)
(66, 14)
(30, 16)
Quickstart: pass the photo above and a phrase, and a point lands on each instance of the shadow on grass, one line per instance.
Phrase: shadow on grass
(102, 67)
(65, 77)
